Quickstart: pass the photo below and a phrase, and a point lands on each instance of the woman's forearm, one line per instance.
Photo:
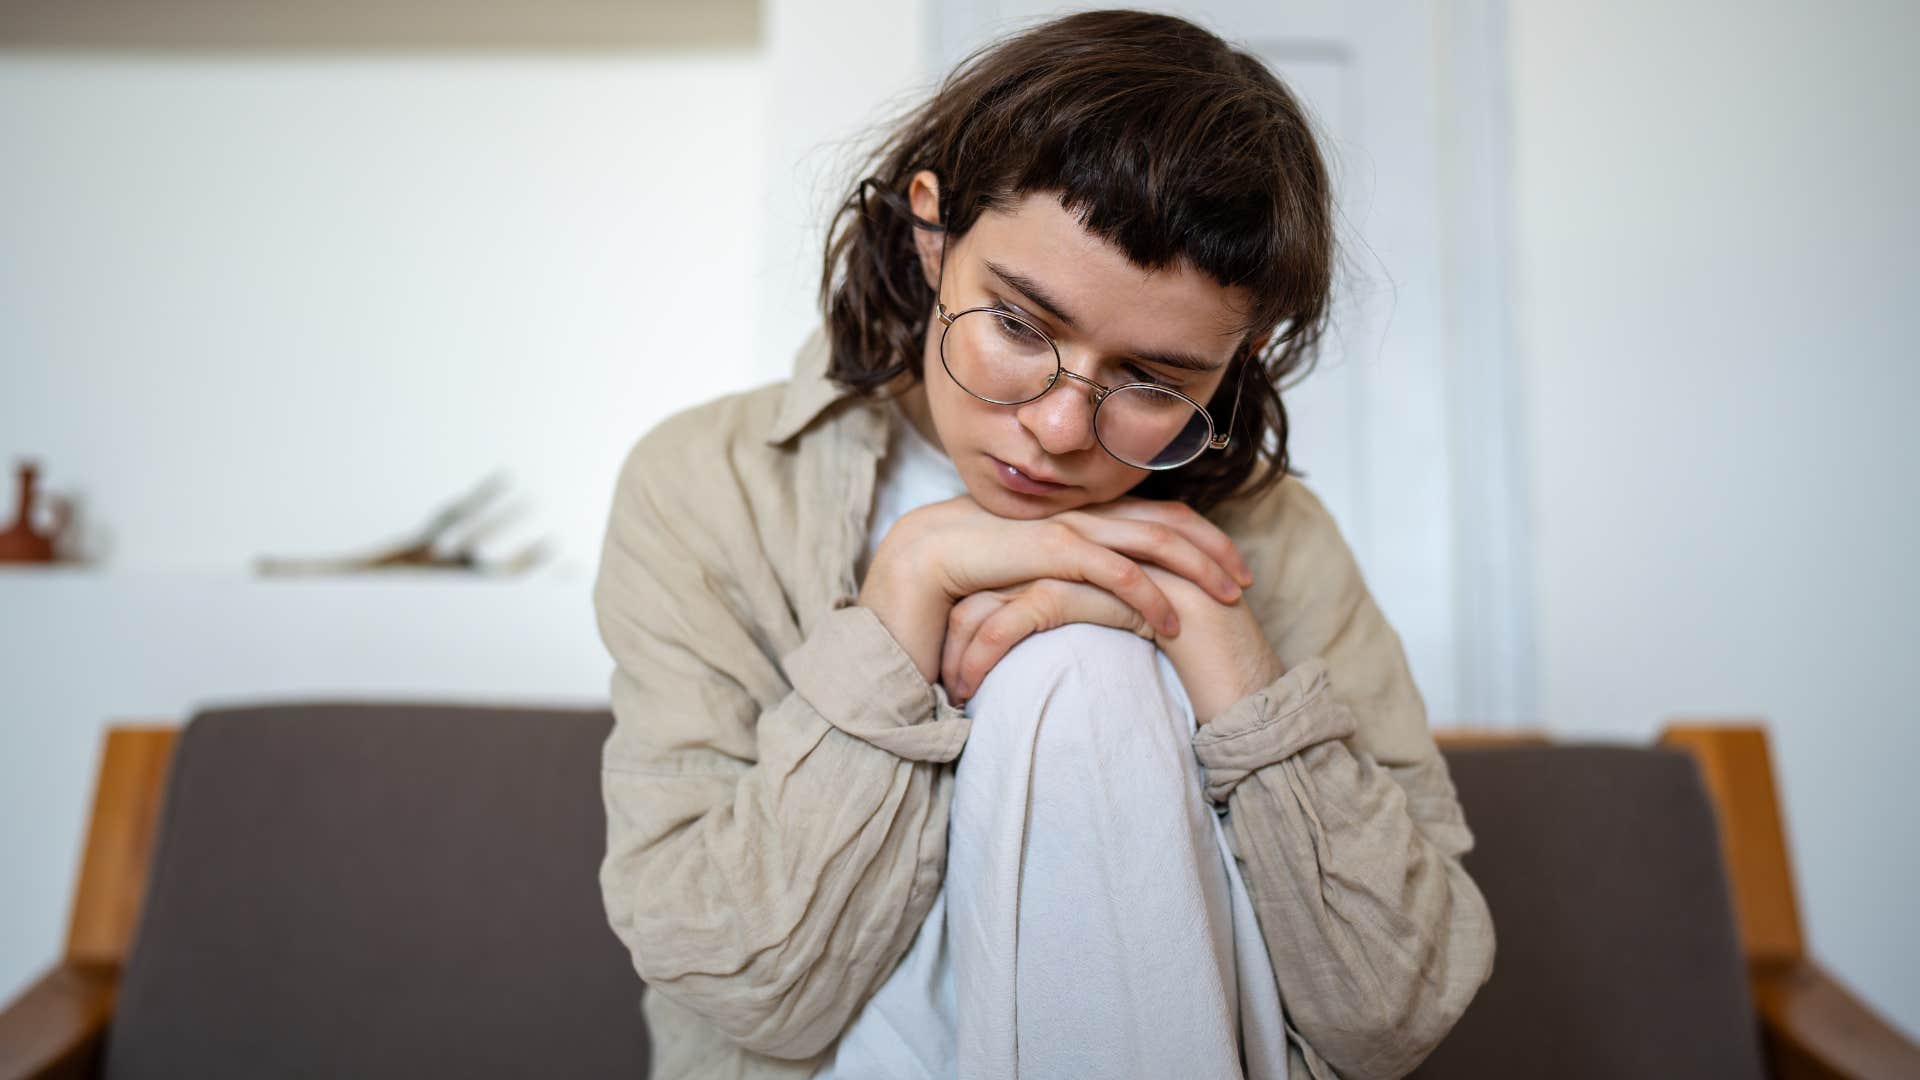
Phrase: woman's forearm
(771, 897)
(1379, 938)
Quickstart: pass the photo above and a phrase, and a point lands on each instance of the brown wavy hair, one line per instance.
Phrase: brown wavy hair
(1165, 141)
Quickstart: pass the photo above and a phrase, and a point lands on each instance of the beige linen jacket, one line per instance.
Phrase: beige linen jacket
(778, 777)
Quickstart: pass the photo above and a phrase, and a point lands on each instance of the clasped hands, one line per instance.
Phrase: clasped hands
(958, 587)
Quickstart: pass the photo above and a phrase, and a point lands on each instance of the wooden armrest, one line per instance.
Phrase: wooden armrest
(57, 1028)
(1815, 1028)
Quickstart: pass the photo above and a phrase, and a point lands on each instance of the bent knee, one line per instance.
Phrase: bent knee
(1101, 719)
(1093, 684)
(1079, 651)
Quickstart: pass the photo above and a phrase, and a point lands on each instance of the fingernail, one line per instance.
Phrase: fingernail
(1171, 624)
(1233, 592)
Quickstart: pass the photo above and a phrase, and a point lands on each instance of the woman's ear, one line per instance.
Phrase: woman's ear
(923, 194)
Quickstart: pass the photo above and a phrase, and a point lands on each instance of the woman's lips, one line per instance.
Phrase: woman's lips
(1015, 480)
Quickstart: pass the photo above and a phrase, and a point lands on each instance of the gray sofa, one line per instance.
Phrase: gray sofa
(405, 890)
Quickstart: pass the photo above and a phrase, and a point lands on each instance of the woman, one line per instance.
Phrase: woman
(1035, 461)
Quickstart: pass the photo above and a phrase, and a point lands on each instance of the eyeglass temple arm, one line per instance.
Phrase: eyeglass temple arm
(1219, 442)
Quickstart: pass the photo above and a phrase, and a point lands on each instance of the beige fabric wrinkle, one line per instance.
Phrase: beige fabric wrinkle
(778, 776)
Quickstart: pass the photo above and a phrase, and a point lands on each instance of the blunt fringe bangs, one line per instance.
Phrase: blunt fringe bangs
(1160, 138)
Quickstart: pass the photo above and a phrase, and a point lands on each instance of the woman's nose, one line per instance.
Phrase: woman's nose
(1062, 418)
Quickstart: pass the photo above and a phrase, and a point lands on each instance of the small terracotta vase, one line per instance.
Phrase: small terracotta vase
(21, 542)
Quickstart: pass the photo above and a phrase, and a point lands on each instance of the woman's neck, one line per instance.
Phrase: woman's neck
(914, 404)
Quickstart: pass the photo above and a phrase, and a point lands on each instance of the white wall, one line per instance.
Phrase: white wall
(1717, 227)
(290, 304)
(833, 67)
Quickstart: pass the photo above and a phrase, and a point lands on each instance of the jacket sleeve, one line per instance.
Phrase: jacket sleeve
(1343, 816)
(776, 831)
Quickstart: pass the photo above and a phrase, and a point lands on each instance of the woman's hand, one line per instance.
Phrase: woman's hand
(1221, 654)
(938, 554)
(984, 627)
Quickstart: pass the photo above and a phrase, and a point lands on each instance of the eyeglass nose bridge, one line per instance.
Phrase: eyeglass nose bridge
(1099, 392)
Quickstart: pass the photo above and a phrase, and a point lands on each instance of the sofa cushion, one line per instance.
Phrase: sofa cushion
(380, 890)
(1616, 950)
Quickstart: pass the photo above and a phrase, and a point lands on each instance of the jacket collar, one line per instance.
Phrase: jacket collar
(809, 391)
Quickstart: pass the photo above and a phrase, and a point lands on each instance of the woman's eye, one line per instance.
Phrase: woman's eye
(1136, 373)
(1017, 330)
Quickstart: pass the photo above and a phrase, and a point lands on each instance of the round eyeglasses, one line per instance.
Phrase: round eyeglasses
(1003, 359)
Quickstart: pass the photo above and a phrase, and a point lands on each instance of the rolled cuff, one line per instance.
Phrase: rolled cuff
(1289, 714)
(853, 673)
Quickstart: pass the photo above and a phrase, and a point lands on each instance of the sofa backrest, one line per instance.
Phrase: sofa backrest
(1616, 952)
(377, 890)
(374, 890)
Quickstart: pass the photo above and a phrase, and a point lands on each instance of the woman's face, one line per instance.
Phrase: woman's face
(1101, 311)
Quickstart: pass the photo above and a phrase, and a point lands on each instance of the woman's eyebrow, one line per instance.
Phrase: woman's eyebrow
(1038, 295)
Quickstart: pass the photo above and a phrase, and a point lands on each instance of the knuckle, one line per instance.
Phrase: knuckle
(1047, 611)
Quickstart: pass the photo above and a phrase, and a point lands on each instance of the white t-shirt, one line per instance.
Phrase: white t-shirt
(913, 473)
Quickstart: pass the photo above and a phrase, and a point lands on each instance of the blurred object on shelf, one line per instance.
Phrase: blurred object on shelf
(21, 542)
(432, 548)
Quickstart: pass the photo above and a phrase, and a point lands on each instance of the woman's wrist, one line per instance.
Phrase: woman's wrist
(913, 612)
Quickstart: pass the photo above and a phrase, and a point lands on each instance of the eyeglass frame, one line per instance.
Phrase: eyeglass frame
(1100, 393)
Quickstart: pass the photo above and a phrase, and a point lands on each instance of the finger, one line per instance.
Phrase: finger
(1002, 552)
(961, 621)
(1066, 602)
(1210, 537)
(1160, 543)
(1046, 604)
(1204, 533)
(997, 634)
(1076, 558)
